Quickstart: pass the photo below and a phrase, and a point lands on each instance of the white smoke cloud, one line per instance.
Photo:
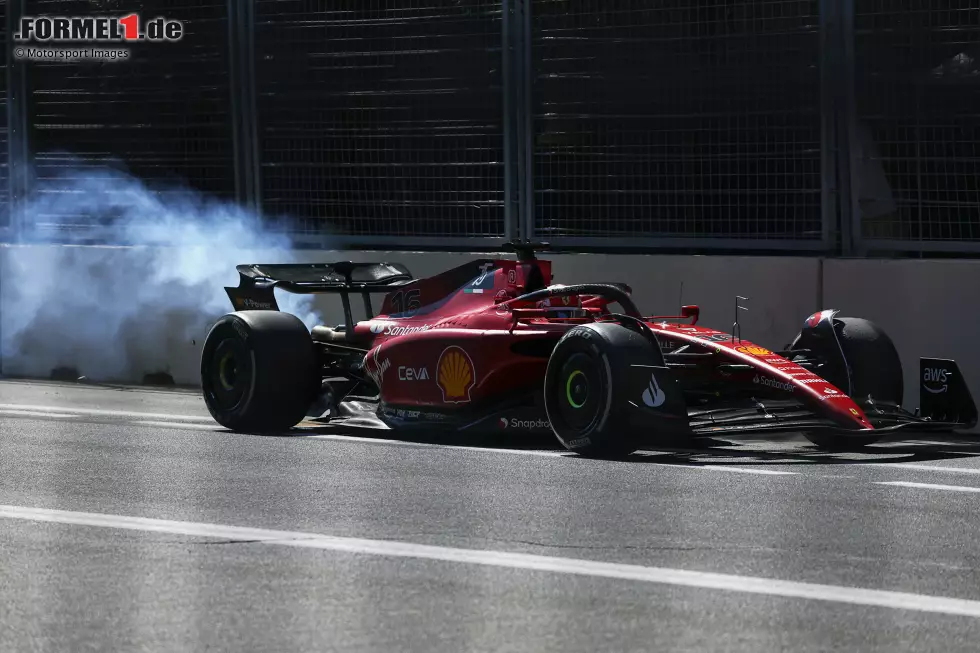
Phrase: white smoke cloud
(121, 312)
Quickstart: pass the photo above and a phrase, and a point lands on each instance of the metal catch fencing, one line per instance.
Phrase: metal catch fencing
(382, 121)
(162, 114)
(673, 121)
(5, 216)
(826, 126)
(916, 125)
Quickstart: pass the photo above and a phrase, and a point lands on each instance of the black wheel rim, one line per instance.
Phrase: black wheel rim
(229, 375)
(578, 392)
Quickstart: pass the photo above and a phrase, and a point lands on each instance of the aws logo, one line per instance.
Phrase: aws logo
(936, 375)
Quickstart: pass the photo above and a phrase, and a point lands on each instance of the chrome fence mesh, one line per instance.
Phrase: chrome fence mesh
(163, 113)
(679, 118)
(5, 217)
(382, 119)
(917, 144)
(704, 125)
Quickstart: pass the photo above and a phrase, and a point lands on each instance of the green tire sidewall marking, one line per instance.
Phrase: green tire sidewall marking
(568, 389)
(223, 371)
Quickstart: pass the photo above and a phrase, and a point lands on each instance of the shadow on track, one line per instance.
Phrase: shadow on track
(780, 450)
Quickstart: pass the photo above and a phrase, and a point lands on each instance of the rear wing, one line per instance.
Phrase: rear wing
(257, 283)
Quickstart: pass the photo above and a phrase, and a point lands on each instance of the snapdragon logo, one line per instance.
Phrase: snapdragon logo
(392, 329)
(526, 424)
(773, 383)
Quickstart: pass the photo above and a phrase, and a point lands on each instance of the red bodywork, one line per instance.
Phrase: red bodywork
(447, 343)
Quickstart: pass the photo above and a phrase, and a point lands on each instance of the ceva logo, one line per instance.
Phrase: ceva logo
(406, 373)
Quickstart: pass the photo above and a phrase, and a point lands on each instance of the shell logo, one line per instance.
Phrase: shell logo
(454, 375)
(754, 351)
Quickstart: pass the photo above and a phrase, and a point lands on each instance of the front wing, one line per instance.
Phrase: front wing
(786, 417)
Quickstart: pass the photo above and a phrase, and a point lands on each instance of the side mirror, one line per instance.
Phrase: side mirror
(691, 311)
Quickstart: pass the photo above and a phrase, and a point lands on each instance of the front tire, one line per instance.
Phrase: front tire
(259, 371)
(587, 371)
(875, 371)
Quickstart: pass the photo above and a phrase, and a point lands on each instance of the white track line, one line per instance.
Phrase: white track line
(189, 422)
(925, 468)
(98, 412)
(182, 425)
(33, 413)
(433, 445)
(532, 452)
(508, 560)
(738, 470)
(931, 486)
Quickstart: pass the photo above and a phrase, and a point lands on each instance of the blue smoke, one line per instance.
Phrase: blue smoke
(117, 312)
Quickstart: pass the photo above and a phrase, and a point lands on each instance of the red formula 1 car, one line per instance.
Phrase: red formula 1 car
(493, 344)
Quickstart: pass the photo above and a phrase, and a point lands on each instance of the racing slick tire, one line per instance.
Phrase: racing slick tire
(259, 371)
(876, 370)
(586, 371)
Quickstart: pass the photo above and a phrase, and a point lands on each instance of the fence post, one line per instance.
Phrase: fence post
(829, 188)
(245, 134)
(18, 145)
(18, 142)
(507, 53)
(846, 132)
(527, 118)
(518, 120)
(522, 76)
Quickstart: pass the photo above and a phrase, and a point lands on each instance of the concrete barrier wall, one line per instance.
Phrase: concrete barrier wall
(926, 306)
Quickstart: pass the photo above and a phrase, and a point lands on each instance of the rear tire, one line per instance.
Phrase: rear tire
(876, 370)
(259, 371)
(586, 372)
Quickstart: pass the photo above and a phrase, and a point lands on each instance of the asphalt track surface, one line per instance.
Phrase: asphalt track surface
(130, 521)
